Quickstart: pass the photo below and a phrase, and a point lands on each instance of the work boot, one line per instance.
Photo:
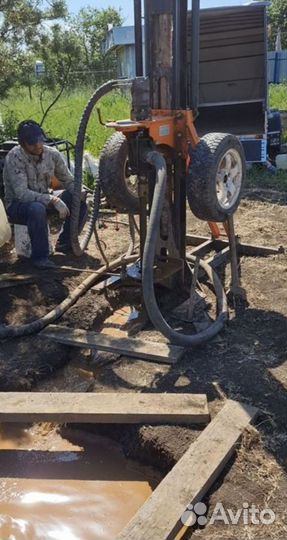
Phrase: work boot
(63, 248)
(44, 264)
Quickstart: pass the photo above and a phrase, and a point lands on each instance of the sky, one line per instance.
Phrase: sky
(127, 6)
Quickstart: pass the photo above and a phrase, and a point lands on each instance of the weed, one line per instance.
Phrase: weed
(258, 176)
(63, 119)
(278, 96)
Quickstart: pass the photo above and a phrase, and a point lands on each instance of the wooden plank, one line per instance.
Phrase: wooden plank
(125, 408)
(16, 277)
(191, 477)
(13, 280)
(145, 350)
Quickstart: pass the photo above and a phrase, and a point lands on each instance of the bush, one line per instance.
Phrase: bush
(8, 130)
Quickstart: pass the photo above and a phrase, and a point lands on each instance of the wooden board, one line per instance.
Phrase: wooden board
(123, 408)
(191, 477)
(146, 350)
(12, 280)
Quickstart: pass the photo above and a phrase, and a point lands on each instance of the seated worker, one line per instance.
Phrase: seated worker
(28, 172)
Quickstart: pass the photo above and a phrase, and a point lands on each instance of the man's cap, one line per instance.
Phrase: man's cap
(30, 133)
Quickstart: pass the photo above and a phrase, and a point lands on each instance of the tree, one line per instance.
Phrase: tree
(278, 21)
(91, 26)
(59, 50)
(72, 54)
(21, 19)
(20, 23)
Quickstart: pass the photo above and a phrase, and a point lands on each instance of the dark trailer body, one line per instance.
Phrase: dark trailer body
(220, 69)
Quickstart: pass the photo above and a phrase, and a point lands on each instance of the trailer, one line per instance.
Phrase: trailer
(232, 91)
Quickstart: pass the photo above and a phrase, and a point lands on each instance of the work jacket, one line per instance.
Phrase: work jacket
(28, 178)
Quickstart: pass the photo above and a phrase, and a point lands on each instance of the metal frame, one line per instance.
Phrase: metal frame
(138, 37)
(167, 76)
(202, 245)
(194, 87)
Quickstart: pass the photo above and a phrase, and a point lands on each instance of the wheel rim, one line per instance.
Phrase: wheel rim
(229, 179)
(131, 180)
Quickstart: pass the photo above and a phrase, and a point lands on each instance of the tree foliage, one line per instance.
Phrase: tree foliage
(70, 48)
(22, 19)
(59, 51)
(278, 21)
(20, 23)
(91, 26)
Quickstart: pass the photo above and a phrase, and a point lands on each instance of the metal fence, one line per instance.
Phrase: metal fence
(277, 67)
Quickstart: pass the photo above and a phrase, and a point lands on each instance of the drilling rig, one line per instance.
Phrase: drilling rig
(159, 145)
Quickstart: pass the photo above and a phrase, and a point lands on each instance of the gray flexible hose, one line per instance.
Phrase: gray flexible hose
(77, 245)
(158, 162)
(58, 311)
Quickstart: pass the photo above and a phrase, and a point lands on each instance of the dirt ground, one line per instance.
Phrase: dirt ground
(246, 362)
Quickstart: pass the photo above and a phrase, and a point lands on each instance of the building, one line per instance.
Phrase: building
(122, 40)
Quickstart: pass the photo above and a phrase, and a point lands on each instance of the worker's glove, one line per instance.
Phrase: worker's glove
(61, 207)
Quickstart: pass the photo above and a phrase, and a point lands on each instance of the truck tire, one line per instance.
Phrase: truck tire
(118, 184)
(215, 177)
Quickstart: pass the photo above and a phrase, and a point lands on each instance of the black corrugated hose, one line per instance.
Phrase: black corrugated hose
(79, 246)
(58, 311)
(158, 162)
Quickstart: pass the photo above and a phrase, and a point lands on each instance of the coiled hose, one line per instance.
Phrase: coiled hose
(158, 162)
(77, 245)
(58, 311)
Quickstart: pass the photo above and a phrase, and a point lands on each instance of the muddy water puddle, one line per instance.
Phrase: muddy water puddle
(66, 484)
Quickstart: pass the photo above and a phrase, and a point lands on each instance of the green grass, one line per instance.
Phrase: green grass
(278, 96)
(258, 177)
(63, 119)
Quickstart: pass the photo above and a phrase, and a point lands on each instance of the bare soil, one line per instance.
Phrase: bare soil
(247, 362)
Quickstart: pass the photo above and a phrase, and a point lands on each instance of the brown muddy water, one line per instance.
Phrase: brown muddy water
(66, 484)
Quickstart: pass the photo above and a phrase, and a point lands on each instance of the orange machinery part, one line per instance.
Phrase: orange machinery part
(166, 127)
(173, 128)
